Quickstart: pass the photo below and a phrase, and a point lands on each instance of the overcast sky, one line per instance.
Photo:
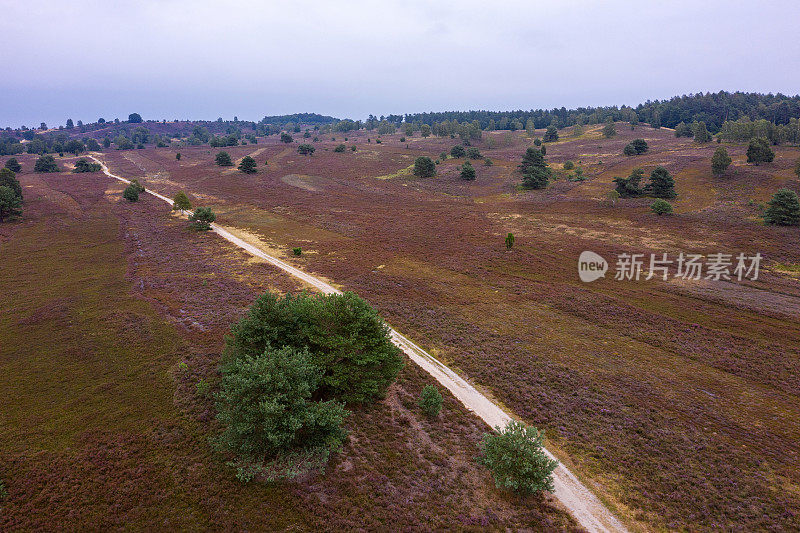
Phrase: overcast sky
(202, 59)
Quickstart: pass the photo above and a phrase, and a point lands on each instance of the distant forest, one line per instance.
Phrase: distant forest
(732, 116)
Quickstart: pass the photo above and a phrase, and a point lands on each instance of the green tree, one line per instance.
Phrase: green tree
(70, 124)
(135, 118)
(430, 401)
(340, 149)
(458, 151)
(343, 334)
(701, 134)
(137, 185)
(13, 165)
(551, 134)
(425, 130)
(181, 202)
(9, 179)
(106, 142)
(569, 165)
(131, 193)
(682, 129)
(661, 184)
(74, 146)
(306, 149)
(720, 161)
(473, 153)
(467, 171)
(517, 459)
(178, 156)
(286, 138)
(267, 406)
(796, 167)
(83, 165)
(223, 159)
(248, 165)
(424, 167)
(509, 240)
(10, 204)
(661, 207)
(783, 209)
(609, 130)
(46, 163)
(535, 172)
(630, 187)
(202, 218)
(759, 151)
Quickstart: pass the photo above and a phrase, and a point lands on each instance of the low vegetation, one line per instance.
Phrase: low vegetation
(430, 401)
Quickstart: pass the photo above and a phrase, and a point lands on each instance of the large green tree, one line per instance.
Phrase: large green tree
(10, 203)
(223, 159)
(9, 179)
(535, 172)
(551, 134)
(720, 161)
(424, 167)
(630, 187)
(13, 165)
(46, 163)
(661, 184)
(783, 209)
(759, 151)
(248, 165)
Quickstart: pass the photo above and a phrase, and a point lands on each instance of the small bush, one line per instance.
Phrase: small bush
(509, 240)
(569, 165)
(661, 207)
(131, 193)
(203, 388)
(183, 367)
(352, 148)
(402, 139)
(458, 151)
(3, 491)
(430, 401)
(517, 459)
(178, 156)
(488, 162)
(13, 165)
(202, 218)
(83, 165)
(137, 185)
(10, 204)
(297, 251)
(305, 149)
(467, 171)
(339, 149)
(474, 153)
(248, 165)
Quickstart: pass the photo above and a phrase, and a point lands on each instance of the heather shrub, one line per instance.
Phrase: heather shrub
(517, 459)
(430, 401)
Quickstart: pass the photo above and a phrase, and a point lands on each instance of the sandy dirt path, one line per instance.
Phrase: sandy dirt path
(582, 504)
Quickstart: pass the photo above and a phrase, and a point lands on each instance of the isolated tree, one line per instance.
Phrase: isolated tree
(535, 172)
(424, 167)
(223, 159)
(701, 134)
(286, 138)
(640, 146)
(720, 161)
(467, 171)
(340, 148)
(458, 151)
(796, 167)
(46, 163)
(267, 406)
(425, 130)
(509, 240)
(517, 459)
(343, 333)
(202, 218)
(569, 165)
(83, 165)
(474, 153)
(70, 124)
(181, 202)
(13, 165)
(248, 165)
(137, 185)
(630, 187)
(178, 156)
(551, 134)
(609, 130)
(131, 193)
(661, 207)
(430, 401)
(9, 179)
(759, 151)
(10, 203)
(783, 209)
(135, 118)
(661, 184)
(306, 149)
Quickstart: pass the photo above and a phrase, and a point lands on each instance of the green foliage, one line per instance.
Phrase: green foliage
(473, 153)
(759, 151)
(181, 202)
(661, 184)
(797, 167)
(248, 165)
(783, 209)
(569, 165)
(297, 251)
(83, 165)
(430, 401)
(535, 172)
(286, 138)
(458, 151)
(344, 335)
(487, 162)
(305, 149)
(517, 459)
(74, 146)
(551, 134)
(537, 141)
(467, 171)
(3, 490)
(202, 218)
(443, 156)
(131, 193)
(9, 179)
(609, 130)
(46, 163)
(223, 159)
(203, 388)
(509, 240)
(424, 167)
(10, 203)
(339, 149)
(636, 147)
(630, 187)
(700, 132)
(178, 156)
(13, 165)
(138, 186)
(720, 161)
(353, 148)
(135, 118)
(661, 207)
(425, 130)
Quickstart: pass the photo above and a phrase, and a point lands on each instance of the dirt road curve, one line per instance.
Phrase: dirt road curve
(584, 506)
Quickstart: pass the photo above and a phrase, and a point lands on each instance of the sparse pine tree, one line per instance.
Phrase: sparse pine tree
(430, 401)
(509, 240)
(551, 135)
(661, 184)
(467, 171)
(535, 172)
(783, 209)
(248, 165)
(223, 159)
